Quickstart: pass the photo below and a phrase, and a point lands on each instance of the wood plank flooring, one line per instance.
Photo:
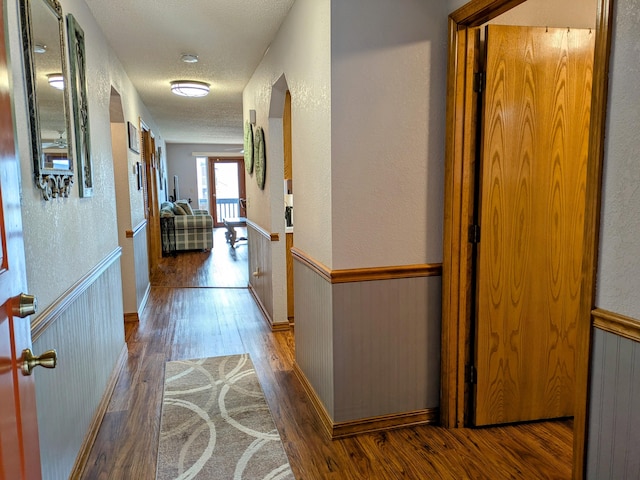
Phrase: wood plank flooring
(191, 322)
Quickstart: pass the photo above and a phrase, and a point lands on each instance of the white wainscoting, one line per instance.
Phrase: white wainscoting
(613, 416)
(86, 328)
(260, 270)
(368, 343)
(314, 332)
(141, 259)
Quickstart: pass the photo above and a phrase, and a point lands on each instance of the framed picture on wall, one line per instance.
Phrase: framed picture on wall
(134, 142)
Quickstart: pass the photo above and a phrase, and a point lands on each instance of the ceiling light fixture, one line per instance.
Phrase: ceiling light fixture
(56, 80)
(190, 88)
(189, 58)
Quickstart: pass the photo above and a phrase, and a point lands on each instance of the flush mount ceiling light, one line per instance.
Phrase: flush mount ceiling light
(190, 88)
(56, 80)
(189, 58)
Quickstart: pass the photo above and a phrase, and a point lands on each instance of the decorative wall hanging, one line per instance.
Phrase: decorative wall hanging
(80, 103)
(248, 147)
(42, 26)
(259, 157)
(134, 142)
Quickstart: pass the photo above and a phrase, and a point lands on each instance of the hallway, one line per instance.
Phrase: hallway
(185, 320)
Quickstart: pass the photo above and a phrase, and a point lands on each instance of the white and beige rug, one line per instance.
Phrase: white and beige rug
(216, 423)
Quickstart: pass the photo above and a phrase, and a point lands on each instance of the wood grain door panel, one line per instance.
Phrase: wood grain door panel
(532, 199)
(19, 447)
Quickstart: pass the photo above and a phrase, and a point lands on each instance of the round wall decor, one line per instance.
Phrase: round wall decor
(248, 147)
(259, 157)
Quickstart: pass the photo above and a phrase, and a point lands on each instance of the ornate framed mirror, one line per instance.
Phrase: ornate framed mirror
(47, 91)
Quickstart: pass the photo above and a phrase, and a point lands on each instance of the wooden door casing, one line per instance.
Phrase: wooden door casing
(242, 190)
(532, 202)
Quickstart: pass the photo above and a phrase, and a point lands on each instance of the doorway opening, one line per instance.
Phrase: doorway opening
(227, 193)
(459, 306)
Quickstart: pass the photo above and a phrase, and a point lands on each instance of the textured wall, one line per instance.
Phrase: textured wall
(388, 90)
(619, 264)
(65, 238)
(298, 59)
(301, 51)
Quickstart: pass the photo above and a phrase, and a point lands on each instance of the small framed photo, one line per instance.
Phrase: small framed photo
(134, 141)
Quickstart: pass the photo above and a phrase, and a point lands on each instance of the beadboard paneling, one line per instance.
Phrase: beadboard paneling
(386, 343)
(141, 260)
(314, 332)
(260, 271)
(613, 420)
(368, 348)
(88, 336)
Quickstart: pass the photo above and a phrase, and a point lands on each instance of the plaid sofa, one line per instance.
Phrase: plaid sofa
(192, 232)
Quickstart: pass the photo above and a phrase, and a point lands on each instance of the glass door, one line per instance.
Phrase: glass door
(228, 191)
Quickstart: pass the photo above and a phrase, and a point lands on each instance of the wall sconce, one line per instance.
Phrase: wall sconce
(56, 80)
(252, 117)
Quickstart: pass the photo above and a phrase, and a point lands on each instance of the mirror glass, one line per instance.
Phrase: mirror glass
(47, 87)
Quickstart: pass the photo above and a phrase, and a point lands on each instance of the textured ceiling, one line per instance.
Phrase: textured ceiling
(229, 37)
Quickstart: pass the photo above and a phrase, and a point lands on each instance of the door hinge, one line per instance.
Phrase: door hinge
(474, 233)
(479, 81)
(470, 375)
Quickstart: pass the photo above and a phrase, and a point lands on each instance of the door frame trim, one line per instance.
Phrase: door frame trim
(242, 186)
(456, 277)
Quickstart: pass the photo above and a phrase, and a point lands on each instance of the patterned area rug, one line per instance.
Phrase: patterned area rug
(216, 423)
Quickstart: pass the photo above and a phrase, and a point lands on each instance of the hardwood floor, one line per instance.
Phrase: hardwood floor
(191, 322)
(222, 267)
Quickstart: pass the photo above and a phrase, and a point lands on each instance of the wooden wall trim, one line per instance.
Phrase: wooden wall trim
(96, 421)
(367, 274)
(593, 194)
(316, 266)
(274, 237)
(318, 406)
(53, 312)
(138, 228)
(478, 12)
(275, 327)
(617, 324)
(428, 416)
(336, 430)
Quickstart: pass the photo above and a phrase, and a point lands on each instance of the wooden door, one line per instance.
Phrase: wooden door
(19, 449)
(228, 191)
(535, 129)
(151, 197)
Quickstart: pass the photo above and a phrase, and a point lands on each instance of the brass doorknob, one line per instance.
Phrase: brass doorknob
(24, 305)
(48, 359)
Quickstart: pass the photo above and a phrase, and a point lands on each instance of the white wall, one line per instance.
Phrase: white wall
(299, 56)
(181, 161)
(619, 263)
(66, 237)
(388, 88)
(301, 51)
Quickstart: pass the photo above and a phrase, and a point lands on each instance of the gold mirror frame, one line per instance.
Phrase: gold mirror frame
(53, 170)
